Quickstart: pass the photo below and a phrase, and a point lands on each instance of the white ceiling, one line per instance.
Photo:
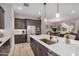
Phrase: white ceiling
(65, 10)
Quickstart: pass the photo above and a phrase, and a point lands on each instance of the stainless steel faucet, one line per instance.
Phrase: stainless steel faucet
(57, 39)
(50, 37)
(49, 33)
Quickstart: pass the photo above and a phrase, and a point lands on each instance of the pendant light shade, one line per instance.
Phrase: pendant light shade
(45, 19)
(57, 14)
(45, 12)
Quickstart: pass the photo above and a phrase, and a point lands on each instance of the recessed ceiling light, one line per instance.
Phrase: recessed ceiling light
(19, 8)
(73, 11)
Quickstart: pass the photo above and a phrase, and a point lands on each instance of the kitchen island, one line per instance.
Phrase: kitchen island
(60, 48)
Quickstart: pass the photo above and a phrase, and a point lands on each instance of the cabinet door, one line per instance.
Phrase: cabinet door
(20, 39)
(38, 49)
(1, 18)
(44, 50)
(19, 23)
(5, 49)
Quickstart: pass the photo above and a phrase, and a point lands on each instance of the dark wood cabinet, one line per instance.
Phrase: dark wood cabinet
(33, 22)
(5, 49)
(1, 18)
(20, 38)
(19, 23)
(38, 49)
(22, 24)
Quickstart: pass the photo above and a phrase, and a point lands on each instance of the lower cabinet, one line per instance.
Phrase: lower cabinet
(5, 49)
(20, 39)
(38, 49)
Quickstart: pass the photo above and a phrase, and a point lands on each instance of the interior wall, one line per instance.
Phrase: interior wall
(75, 22)
(8, 21)
(44, 24)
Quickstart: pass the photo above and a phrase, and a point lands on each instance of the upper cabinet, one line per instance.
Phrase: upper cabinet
(23, 23)
(33, 22)
(1, 18)
(19, 23)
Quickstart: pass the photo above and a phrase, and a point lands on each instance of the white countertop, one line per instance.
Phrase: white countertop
(19, 31)
(4, 39)
(60, 48)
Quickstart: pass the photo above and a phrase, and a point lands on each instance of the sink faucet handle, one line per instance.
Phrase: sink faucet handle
(57, 39)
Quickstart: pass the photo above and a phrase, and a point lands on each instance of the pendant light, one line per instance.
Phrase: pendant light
(45, 12)
(57, 14)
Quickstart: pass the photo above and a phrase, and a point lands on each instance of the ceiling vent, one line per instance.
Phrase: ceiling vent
(26, 4)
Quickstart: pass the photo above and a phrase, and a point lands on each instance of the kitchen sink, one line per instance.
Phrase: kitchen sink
(49, 42)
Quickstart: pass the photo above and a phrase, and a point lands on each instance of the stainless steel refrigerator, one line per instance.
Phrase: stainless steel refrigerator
(31, 30)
